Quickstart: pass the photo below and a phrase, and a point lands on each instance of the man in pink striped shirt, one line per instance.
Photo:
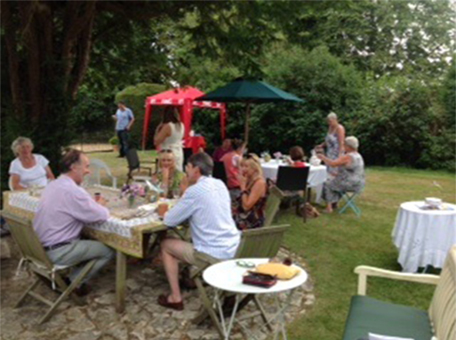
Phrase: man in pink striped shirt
(63, 211)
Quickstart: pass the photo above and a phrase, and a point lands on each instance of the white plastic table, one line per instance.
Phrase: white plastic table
(423, 237)
(227, 276)
(317, 175)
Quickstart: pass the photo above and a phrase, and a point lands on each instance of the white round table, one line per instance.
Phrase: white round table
(227, 276)
(317, 174)
(424, 237)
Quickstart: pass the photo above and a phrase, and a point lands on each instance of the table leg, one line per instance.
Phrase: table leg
(121, 275)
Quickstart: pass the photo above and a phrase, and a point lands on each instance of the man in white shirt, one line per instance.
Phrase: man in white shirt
(206, 204)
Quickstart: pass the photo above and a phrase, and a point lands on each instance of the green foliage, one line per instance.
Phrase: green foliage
(315, 76)
(135, 97)
(114, 140)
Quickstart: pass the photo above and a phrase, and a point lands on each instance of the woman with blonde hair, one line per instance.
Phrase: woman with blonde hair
(168, 177)
(28, 168)
(169, 134)
(334, 141)
(249, 207)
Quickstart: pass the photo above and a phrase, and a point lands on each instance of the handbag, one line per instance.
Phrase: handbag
(259, 280)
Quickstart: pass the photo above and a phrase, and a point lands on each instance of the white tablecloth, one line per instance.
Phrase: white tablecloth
(317, 175)
(423, 237)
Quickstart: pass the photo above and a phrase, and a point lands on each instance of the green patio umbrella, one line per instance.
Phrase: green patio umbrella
(249, 91)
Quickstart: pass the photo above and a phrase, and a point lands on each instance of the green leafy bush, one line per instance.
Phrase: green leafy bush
(114, 140)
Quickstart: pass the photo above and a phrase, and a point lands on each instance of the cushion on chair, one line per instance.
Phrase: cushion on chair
(371, 315)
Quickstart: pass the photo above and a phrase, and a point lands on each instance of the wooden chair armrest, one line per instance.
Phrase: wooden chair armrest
(365, 271)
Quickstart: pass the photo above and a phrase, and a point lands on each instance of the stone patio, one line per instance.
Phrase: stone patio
(143, 317)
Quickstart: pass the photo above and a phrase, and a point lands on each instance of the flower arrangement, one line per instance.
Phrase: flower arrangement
(134, 190)
(131, 191)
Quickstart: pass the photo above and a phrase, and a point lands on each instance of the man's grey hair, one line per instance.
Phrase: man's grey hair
(352, 142)
(18, 142)
(203, 161)
(331, 115)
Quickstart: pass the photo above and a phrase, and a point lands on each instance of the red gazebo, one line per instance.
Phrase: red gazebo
(184, 98)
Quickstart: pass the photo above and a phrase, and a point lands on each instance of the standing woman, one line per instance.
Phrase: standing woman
(334, 141)
(28, 168)
(169, 134)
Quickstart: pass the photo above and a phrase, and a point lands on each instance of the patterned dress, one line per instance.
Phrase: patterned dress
(349, 178)
(332, 150)
(175, 181)
(253, 218)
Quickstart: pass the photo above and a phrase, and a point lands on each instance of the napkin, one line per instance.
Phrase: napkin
(373, 336)
(281, 271)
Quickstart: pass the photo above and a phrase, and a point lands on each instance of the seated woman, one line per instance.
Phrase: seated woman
(249, 207)
(350, 176)
(28, 168)
(168, 176)
(297, 157)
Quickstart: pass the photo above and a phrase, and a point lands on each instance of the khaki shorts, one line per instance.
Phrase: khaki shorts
(186, 253)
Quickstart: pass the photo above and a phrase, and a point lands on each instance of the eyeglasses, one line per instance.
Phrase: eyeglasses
(166, 151)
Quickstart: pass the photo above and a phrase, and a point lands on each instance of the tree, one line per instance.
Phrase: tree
(46, 52)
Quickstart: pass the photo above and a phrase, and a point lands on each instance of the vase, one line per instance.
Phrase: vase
(131, 201)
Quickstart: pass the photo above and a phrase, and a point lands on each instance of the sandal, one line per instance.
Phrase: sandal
(163, 301)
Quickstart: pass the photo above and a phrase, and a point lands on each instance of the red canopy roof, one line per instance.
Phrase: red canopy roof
(178, 97)
(184, 97)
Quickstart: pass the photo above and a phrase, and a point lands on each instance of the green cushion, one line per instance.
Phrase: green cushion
(368, 315)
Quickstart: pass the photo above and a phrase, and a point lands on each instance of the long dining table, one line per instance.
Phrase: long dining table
(125, 231)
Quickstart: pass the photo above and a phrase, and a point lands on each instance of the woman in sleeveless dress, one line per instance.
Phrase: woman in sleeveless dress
(350, 176)
(169, 134)
(334, 141)
(249, 207)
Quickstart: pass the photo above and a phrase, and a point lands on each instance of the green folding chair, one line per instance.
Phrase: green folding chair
(350, 202)
(272, 204)
(37, 261)
(255, 243)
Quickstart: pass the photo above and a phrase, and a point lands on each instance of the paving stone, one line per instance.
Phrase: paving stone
(89, 335)
(118, 331)
(11, 330)
(81, 324)
(143, 317)
(107, 299)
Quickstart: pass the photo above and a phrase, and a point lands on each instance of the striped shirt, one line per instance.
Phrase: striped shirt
(207, 205)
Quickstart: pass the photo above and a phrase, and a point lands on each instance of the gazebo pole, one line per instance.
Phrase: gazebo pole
(246, 126)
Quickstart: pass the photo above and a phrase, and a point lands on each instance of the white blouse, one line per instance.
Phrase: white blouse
(32, 176)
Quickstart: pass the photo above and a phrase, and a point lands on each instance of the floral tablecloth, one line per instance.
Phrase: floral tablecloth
(124, 235)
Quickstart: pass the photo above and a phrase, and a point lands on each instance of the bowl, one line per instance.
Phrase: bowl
(433, 201)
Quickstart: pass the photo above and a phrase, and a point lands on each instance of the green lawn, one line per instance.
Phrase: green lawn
(333, 245)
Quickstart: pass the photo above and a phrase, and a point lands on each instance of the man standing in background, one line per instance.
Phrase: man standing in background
(124, 117)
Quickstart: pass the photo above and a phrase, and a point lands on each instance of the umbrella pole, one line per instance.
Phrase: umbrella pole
(246, 126)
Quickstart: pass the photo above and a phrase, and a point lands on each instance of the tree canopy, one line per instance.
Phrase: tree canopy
(66, 58)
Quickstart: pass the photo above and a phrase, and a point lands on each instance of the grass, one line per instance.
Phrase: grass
(333, 245)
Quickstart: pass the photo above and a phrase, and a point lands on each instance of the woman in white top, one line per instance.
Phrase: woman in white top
(28, 169)
(169, 134)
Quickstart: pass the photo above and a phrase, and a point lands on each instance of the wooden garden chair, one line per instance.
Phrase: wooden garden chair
(375, 316)
(255, 243)
(273, 204)
(36, 259)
